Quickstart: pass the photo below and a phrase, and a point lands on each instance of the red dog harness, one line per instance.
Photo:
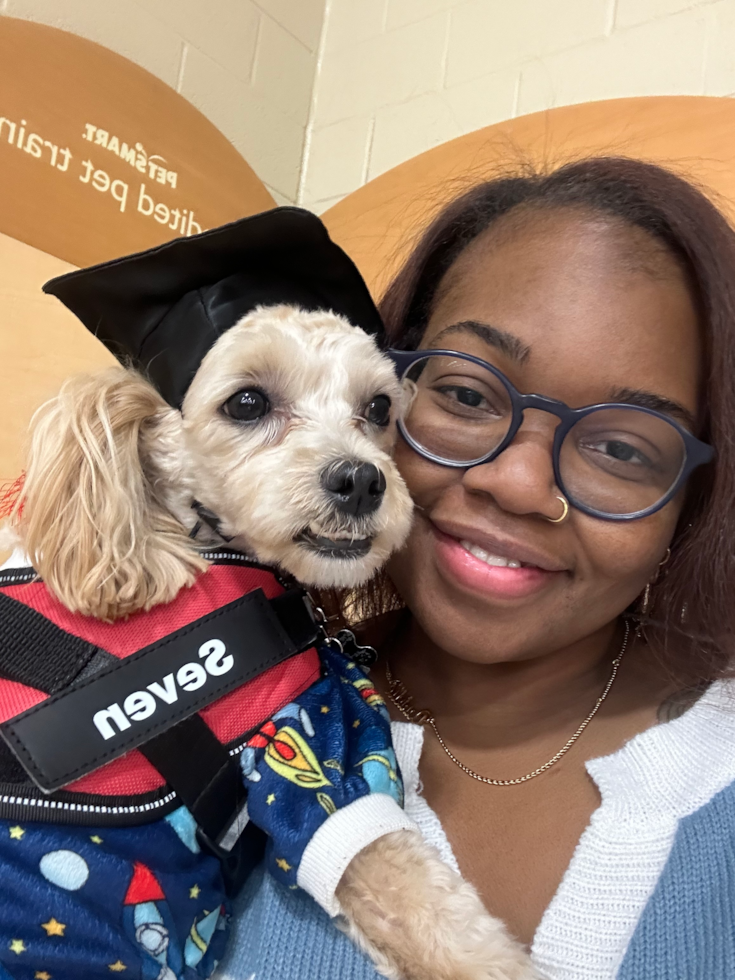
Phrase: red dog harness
(122, 723)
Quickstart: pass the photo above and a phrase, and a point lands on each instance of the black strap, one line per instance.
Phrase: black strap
(208, 781)
(295, 613)
(205, 776)
(36, 652)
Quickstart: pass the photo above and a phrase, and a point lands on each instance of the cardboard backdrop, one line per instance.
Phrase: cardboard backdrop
(693, 135)
(98, 158)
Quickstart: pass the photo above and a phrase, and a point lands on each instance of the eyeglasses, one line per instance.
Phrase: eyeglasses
(614, 461)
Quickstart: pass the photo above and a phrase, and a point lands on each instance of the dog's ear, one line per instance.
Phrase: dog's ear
(92, 514)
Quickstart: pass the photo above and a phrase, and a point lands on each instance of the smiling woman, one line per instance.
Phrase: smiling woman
(560, 617)
(607, 287)
(608, 281)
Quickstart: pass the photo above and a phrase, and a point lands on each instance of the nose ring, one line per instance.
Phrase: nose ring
(564, 513)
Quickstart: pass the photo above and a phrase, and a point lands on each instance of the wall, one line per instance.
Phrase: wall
(248, 65)
(320, 102)
(397, 77)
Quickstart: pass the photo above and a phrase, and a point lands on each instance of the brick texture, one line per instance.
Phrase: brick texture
(399, 76)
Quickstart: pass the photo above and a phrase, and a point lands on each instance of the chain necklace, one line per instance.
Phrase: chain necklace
(400, 697)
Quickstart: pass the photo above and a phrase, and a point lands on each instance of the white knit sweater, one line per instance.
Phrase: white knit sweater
(659, 777)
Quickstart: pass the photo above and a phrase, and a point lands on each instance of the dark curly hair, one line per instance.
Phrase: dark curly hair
(691, 618)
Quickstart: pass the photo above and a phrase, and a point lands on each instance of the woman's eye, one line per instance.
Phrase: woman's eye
(378, 410)
(460, 397)
(465, 396)
(618, 451)
(247, 405)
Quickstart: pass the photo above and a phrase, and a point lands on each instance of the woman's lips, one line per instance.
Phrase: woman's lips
(492, 580)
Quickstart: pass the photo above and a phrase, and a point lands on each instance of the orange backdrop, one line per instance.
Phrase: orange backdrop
(98, 158)
(693, 135)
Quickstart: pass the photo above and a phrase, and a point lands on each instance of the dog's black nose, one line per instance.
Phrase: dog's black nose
(356, 488)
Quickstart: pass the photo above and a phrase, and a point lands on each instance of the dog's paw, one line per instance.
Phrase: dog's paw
(418, 920)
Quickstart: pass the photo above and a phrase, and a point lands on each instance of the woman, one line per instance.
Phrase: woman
(561, 609)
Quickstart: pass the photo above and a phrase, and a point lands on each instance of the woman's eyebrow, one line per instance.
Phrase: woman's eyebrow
(516, 350)
(506, 343)
(648, 399)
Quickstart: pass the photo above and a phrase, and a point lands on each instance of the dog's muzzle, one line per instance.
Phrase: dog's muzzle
(355, 489)
(335, 547)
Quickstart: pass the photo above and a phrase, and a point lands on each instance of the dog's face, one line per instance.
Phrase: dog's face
(288, 426)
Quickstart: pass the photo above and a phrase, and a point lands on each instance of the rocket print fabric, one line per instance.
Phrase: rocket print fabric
(315, 756)
(140, 902)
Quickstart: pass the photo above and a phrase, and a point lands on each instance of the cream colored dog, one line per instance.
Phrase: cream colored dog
(284, 440)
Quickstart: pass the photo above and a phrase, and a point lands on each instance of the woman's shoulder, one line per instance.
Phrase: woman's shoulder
(645, 860)
(283, 934)
(694, 900)
(678, 766)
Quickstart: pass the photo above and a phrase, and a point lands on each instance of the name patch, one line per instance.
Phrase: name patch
(123, 706)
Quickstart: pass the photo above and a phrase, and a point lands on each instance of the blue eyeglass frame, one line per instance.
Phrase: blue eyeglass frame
(697, 453)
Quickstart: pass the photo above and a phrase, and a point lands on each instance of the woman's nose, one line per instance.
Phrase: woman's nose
(521, 479)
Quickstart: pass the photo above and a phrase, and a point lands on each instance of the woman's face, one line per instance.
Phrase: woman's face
(582, 309)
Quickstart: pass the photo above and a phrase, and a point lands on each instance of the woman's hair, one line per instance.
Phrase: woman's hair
(691, 619)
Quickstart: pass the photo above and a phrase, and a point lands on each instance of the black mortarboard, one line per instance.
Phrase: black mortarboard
(163, 309)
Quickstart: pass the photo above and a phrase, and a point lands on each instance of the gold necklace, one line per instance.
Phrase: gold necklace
(400, 697)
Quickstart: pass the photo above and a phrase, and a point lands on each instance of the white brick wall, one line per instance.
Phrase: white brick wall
(248, 65)
(397, 77)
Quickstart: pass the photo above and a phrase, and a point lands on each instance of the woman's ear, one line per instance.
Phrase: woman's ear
(92, 511)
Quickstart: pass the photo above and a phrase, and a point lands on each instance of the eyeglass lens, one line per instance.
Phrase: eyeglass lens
(615, 461)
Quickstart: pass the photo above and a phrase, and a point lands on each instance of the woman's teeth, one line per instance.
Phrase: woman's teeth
(483, 555)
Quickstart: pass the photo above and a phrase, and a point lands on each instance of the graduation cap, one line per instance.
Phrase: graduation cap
(163, 309)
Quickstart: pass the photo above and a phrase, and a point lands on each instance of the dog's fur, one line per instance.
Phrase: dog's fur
(105, 517)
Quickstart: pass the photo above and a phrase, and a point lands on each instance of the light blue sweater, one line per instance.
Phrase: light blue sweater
(668, 802)
(687, 929)
(686, 932)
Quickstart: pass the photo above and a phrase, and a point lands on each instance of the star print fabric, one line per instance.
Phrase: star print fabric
(316, 756)
(79, 902)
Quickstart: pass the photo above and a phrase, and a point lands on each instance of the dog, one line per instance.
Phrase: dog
(280, 451)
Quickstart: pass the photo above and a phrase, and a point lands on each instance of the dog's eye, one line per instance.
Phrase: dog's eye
(378, 410)
(247, 405)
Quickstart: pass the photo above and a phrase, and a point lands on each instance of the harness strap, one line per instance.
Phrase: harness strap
(206, 777)
(208, 781)
(123, 706)
(295, 613)
(56, 657)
